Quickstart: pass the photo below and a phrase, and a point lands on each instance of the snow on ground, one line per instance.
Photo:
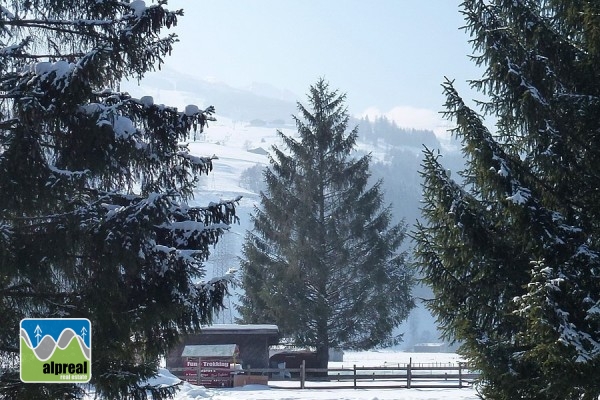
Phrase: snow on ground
(256, 392)
(230, 142)
(365, 358)
(368, 358)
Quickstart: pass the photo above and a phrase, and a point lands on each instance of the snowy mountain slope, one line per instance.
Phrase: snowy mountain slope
(255, 102)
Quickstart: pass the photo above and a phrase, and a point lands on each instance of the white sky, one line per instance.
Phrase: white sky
(389, 56)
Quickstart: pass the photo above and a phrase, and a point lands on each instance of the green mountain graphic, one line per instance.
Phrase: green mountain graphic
(32, 368)
(44, 349)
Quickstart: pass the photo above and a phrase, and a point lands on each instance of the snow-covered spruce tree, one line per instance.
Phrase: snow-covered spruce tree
(322, 261)
(94, 191)
(512, 252)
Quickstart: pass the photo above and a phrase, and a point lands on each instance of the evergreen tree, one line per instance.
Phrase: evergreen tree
(94, 186)
(512, 252)
(322, 261)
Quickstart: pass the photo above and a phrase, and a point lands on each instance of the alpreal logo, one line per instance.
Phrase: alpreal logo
(56, 350)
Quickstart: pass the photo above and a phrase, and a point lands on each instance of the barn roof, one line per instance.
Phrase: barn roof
(240, 329)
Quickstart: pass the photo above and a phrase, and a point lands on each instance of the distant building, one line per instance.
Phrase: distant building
(259, 150)
(253, 342)
(429, 347)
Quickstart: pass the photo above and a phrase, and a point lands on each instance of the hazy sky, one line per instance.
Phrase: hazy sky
(389, 56)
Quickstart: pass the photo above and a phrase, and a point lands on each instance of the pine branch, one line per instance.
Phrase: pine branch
(56, 22)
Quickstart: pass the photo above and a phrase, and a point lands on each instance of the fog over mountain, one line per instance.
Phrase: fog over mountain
(257, 102)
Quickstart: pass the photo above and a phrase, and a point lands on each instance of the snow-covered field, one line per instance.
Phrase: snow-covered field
(367, 358)
(255, 392)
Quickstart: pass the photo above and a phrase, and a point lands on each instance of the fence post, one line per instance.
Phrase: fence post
(408, 373)
(354, 376)
(302, 374)
(198, 371)
(460, 385)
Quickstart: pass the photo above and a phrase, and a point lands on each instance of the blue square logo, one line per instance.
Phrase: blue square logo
(56, 350)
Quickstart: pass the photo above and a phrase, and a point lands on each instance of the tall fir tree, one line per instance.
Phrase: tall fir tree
(512, 251)
(94, 190)
(322, 261)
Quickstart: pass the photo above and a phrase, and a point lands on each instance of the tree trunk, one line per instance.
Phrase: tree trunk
(322, 359)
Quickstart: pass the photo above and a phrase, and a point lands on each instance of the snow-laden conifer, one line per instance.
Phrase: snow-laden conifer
(94, 192)
(511, 250)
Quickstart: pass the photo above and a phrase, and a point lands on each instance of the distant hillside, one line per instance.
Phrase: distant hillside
(383, 129)
(400, 162)
(259, 102)
(397, 155)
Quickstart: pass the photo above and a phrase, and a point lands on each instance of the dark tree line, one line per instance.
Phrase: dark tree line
(381, 127)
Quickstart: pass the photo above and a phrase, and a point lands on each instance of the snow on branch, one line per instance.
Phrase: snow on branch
(142, 206)
(180, 231)
(14, 50)
(138, 7)
(228, 277)
(70, 175)
(57, 73)
(219, 212)
(545, 293)
(123, 127)
(520, 196)
(5, 13)
(186, 234)
(5, 232)
(205, 163)
(216, 285)
(515, 70)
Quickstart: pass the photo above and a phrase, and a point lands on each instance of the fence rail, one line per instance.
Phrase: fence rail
(360, 377)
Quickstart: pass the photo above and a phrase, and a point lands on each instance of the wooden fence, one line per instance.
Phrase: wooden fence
(360, 377)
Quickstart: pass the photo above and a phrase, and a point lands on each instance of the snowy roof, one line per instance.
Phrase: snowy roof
(209, 350)
(241, 329)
